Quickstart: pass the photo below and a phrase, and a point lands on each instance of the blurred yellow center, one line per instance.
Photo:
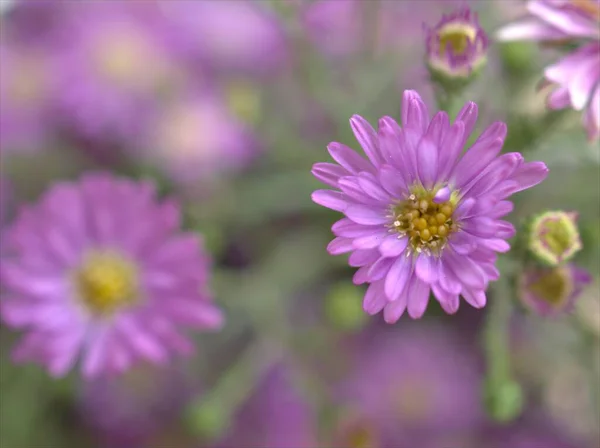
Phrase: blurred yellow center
(360, 437)
(26, 83)
(426, 223)
(556, 237)
(458, 36)
(106, 281)
(243, 101)
(125, 58)
(553, 286)
(413, 399)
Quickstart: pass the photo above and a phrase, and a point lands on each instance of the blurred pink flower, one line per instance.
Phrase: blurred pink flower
(5, 200)
(412, 385)
(552, 291)
(195, 138)
(98, 270)
(419, 219)
(275, 416)
(136, 407)
(336, 27)
(240, 36)
(576, 77)
(117, 66)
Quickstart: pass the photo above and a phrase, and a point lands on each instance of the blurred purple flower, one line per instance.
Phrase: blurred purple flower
(275, 416)
(456, 46)
(97, 269)
(336, 27)
(5, 200)
(552, 291)
(419, 218)
(195, 138)
(576, 77)
(428, 388)
(118, 63)
(228, 36)
(133, 409)
(28, 81)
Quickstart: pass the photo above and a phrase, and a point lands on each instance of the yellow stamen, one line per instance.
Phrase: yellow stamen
(458, 36)
(106, 281)
(426, 223)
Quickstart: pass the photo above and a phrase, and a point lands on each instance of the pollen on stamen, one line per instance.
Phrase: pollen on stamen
(427, 224)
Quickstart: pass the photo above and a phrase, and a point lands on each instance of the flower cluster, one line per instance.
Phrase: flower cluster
(576, 77)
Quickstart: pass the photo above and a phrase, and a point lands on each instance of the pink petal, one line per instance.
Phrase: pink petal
(397, 277)
(367, 137)
(476, 298)
(380, 268)
(426, 268)
(393, 245)
(361, 214)
(393, 181)
(394, 310)
(418, 297)
(371, 187)
(374, 300)
(414, 112)
(370, 241)
(328, 173)
(331, 199)
(348, 158)
(340, 245)
(427, 161)
(360, 258)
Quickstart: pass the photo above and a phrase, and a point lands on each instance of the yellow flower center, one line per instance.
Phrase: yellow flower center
(125, 58)
(243, 101)
(556, 237)
(426, 223)
(553, 286)
(458, 36)
(26, 82)
(358, 434)
(107, 281)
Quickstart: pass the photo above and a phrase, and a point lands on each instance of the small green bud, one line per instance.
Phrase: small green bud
(554, 237)
(206, 419)
(343, 307)
(503, 400)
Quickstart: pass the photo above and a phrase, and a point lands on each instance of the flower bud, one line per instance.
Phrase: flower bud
(343, 307)
(554, 237)
(456, 49)
(552, 291)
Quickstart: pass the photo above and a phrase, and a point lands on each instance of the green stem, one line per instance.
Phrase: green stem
(496, 339)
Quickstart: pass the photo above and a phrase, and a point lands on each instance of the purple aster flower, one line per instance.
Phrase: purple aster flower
(275, 416)
(457, 45)
(98, 271)
(228, 36)
(196, 138)
(552, 291)
(118, 62)
(428, 389)
(336, 27)
(576, 76)
(136, 407)
(419, 216)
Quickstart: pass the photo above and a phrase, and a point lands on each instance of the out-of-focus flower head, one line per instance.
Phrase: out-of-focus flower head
(276, 415)
(118, 64)
(554, 237)
(335, 27)
(195, 138)
(131, 409)
(552, 291)
(456, 47)
(28, 83)
(243, 37)
(429, 387)
(419, 216)
(98, 270)
(576, 76)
